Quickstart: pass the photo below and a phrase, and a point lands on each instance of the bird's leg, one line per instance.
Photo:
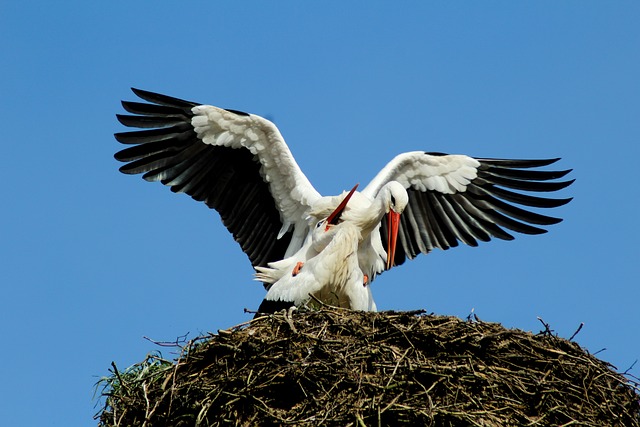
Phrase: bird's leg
(365, 280)
(297, 268)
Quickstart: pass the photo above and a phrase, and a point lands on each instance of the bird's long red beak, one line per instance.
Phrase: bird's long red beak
(393, 222)
(335, 215)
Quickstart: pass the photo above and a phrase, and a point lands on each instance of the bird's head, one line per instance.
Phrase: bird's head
(395, 199)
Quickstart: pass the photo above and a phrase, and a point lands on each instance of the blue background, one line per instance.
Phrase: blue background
(93, 260)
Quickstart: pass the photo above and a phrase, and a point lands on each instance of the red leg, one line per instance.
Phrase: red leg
(297, 268)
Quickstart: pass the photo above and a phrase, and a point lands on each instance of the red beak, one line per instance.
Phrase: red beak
(393, 222)
(335, 215)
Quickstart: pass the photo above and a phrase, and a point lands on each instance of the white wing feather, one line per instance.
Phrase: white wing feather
(290, 188)
(445, 174)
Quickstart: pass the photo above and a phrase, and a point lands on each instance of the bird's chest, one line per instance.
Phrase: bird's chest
(339, 275)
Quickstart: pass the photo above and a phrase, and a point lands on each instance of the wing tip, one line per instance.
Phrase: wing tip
(124, 120)
(141, 92)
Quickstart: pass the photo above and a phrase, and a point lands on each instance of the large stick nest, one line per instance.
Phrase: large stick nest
(339, 367)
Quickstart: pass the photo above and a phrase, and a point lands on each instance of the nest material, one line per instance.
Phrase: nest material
(345, 368)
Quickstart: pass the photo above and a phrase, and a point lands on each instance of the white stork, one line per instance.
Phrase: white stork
(327, 269)
(238, 164)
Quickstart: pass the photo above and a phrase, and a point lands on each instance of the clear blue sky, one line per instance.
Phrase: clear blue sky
(93, 260)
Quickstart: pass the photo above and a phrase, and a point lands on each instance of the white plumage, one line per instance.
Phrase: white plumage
(330, 273)
(239, 164)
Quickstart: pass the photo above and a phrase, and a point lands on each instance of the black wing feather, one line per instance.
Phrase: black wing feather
(225, 179)
(483, 211)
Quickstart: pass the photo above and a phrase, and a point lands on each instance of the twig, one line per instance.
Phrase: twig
(288, 317)
(630, 367)
(473, 316)
(576, 332)
(323, 304)
(547, 330)
(177, 343)
(408, 313)
(396, 368)
(241, 325)
(115, 371)
(147, 415)
(393, 401)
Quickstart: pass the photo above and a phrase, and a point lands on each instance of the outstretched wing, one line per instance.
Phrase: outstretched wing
(457, 198)
(237, 163)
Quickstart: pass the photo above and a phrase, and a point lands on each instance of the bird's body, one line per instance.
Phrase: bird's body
(239, 165)
(331, 273)
(365, 214)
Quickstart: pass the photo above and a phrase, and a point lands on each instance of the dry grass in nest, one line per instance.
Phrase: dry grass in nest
(346, 368)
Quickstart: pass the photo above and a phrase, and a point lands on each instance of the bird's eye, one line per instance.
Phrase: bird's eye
(319, 224)
(393, 201)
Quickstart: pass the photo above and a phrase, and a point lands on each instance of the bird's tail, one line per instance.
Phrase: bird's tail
(267, 275)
